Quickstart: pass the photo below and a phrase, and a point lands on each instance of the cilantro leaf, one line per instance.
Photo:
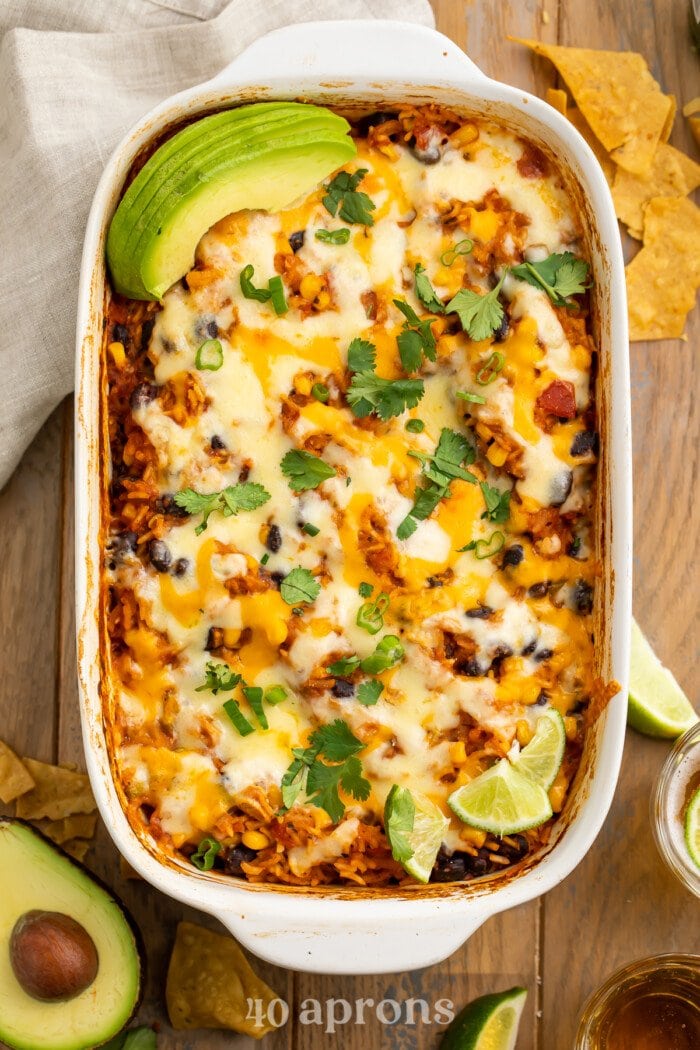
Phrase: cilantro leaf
(387, 397)
(299, 586)
(335, 741)
(561, 275)
(304, 470)
(361, 356)
(343, 198)
(346, 665)
(234, 498)
(352, 780)
(341, 236)
(439, 470)
(323, 782)
(497, 503)
(425, 291)
(399, 818)
(410, 350)
(422, 328)
(218, 677)
(479, 315)
(369, 692)
(294, 778)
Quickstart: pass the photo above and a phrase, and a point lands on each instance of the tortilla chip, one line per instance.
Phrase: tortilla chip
(80, 825)
(673, 174)
(617, 95)
(664, 276)
(209, 981)
(668, 126)
(76, 848)
(558, 99)
(695, 128)
(584, 129)
(58, 793)
(692, 107)
(15, 778)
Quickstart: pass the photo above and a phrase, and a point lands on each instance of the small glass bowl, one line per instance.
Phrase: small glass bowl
(679, 778)
(677, 976)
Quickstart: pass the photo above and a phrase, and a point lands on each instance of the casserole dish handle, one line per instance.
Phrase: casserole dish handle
(383, 50)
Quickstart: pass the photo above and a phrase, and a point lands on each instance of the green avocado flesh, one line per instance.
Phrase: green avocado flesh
(261, 156)
(34, 875)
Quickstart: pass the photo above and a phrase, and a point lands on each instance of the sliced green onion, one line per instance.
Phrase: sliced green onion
(466, 395)
(239, 720)
(387, 654)
(205, 854)
(210, 356)
(415, 426)
(310, 530)
(490, 370)
(277, 295)
(370, 616)
(460, 248)
(487, 548)
(275, 694)
(365, 590)
(320, 392)
(254, 696)
(249, 290)
(265, 559)
(341, 236)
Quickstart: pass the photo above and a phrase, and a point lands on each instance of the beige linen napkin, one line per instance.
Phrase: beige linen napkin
(74, 76)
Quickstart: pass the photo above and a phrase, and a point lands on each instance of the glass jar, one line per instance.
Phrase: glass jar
(678, 781)
(653, 1004)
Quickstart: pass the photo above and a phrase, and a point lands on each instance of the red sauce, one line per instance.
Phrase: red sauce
(532, 163)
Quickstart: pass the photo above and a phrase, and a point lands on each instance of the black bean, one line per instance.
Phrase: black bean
(273, 541)
(560, 487)
(574, 547)
(212, 329)
(479, 612)
(181, 566)
(435, 581)
(478, 865)
(541, 699)
(529, 648)
(124, 543)
(166, 504)
(501, 652)
(471, 668)
(215, 639)
(538, 590)
(237, 856)
(159, 555)
(244, 473)
(542, 655)
(277, 578)
(449, 867)
(430, 155)
(146, 333)
(343, 689)
(205, 327)
(373, 120)
(502, 331)
(585, 442)
(296, 240)
(216, 442)
(142, 395)
(583, 597)
(120, 334)
(513, 555)
(517, 850)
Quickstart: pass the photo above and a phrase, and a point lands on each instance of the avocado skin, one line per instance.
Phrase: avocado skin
(113, 901)
(187, 170)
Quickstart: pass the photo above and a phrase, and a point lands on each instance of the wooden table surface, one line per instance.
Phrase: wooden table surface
(621, 903)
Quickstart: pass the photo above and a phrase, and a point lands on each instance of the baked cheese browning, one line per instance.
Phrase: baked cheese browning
(351, 516)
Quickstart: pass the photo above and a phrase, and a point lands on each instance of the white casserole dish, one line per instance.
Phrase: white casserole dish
(346, 930)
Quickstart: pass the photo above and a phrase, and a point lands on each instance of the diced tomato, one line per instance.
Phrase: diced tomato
(559, 399)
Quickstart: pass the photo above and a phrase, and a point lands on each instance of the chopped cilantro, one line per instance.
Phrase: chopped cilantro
(361, 356)
(560, 275)
(419, 328)
(368, 393)
(341, 236)
(299, 586)
(479, 315)
(343, 198)
(218, 677)
(425, 291)
(365, 590)
(234, 498)
(304, 470)
(346, 665)
(369, 692)
(334, 743)
(497, 503)
(439, 470)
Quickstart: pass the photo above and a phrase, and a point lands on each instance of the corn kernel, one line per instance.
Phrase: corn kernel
(473, 836)
(302, 385)
(523, 732)
(255, 840)
(118, 355)
(458, 752)
(310, 286)
(465, 135)
(231, 637)
(531, 692)
(483, 431)
(570, 727)
(323, 300)
(496, 455)
(557, 792)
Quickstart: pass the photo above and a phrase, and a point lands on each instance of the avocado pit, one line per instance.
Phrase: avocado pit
(53, 957)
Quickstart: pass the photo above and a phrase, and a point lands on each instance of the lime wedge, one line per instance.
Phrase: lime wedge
(488, 1023)
(415, 827)
(502, 801)
(657, 704)
(540, 759)
(692, 828)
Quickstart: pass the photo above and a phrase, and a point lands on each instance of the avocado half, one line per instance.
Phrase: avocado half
(260, 156)
(37, 877)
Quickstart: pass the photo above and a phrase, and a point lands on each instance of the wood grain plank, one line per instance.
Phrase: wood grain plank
(622, 903)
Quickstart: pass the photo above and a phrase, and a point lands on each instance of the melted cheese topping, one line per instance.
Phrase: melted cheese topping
(463, 671)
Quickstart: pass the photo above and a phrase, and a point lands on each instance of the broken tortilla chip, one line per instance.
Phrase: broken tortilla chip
(672, 174)
(210, 981)
(663, 278)
(584, 129)
(668, 126)
(558, 99)
(76, 848)
(617, 95)
(15, 778)
(690, 112)
(58, 793)
(80, 826)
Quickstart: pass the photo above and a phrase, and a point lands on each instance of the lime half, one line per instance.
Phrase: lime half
(692, 828)
(415, 827)
(657, 704)
(488, 1023)
(502, 800)
(541, 758)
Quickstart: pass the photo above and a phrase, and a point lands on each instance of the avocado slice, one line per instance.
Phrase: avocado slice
(44, 894)
(260, 156)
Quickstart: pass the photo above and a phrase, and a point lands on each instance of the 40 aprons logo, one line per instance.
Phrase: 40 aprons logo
(332, 1014)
